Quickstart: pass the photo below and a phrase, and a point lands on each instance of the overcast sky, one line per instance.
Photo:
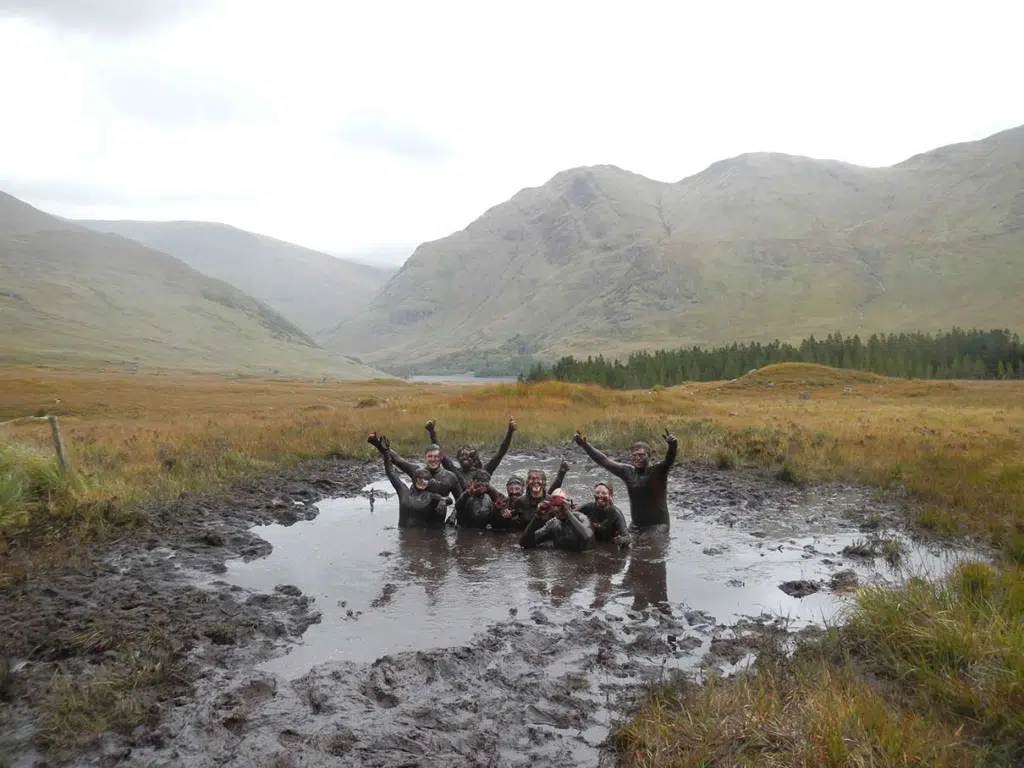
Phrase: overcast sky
(352, 126)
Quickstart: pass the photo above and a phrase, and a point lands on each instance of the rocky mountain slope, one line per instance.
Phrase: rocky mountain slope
(755, 247)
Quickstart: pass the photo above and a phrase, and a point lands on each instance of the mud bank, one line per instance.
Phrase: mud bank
(347, 642)
(141, 603)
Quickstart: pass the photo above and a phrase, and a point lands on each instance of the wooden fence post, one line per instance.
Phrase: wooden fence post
(58, 444)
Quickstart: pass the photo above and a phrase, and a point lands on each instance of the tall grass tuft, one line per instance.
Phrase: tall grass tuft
(955, 646)
(31, 480)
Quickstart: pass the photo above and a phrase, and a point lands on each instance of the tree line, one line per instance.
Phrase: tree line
(955, 354)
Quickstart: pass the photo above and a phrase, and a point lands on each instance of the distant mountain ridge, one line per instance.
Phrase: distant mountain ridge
(754, 247)
(312, 289)
(73, 296)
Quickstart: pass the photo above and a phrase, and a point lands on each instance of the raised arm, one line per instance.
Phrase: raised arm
(670, 455)
(563, 470)
(617, 469)
(406, 466)
(495, 460)
(383, 446)
(431, 427)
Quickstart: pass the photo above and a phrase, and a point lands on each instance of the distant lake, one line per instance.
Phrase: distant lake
(440, 379)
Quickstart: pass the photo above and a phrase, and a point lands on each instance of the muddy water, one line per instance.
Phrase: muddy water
(382, 590)
(457, 648)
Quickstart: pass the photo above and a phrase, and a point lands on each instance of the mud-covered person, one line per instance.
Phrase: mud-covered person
(524, 508)
(418, 507)
(442, 481)
(515, 487)
(468, 457)
(606, 518)
(557, 523)
(508, 519)
(646, 483)
(480, 505)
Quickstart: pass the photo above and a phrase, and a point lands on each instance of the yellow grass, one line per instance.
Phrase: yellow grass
(959, 447)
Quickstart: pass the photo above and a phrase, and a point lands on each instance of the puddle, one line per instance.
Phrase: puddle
(382, 590)
(458, 648)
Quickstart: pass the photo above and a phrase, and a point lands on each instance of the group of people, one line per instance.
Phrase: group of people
(545, 514)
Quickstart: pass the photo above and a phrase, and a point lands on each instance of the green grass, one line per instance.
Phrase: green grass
(931, 674)
(31, 480)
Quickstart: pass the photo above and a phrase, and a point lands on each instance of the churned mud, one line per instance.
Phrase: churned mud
(325, 636)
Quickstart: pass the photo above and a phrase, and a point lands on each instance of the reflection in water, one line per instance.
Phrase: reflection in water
(646, 575)
(383, 590)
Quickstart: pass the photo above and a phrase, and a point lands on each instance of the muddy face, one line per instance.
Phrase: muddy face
(640, 456)
(514, 490)
(602, 496)
(433, 459)
(466, 457)
(421, 479)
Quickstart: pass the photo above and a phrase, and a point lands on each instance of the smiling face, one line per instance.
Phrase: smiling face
(515, 490)
(433, 459)
(602, 496)
(466, 457)
(640, 456)
(421, 480)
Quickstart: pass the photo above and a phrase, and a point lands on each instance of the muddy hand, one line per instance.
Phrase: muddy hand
(373, 439)
(669, 438)
(511, 423)
(563, 467)
(579, 439)
(383, 443)
(430, 426)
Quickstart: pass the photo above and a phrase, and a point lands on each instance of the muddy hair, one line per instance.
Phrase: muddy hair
(481, 476)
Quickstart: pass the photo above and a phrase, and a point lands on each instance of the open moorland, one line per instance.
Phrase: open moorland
(928, 674)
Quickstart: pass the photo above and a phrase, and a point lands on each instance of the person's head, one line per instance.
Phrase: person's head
(480, 480)
(640, 454)
(432, 456)
(536, 482)
(421, 478)
(466, 456)
(558, 501)
(515, 487)
(603, 495)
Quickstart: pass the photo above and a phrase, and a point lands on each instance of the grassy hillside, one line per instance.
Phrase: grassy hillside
(753, 248)
(71, 296)
(312, 289)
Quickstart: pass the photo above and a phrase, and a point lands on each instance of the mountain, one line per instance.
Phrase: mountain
(312, 289)
(755, 247)
(72, 296)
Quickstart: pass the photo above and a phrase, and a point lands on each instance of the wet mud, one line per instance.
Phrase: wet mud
(156, 590)
(325, 636)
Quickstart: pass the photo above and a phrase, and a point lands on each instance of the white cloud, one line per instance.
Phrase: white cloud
(344, 126)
